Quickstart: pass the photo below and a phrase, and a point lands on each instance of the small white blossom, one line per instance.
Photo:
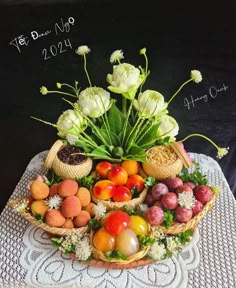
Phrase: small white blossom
(158, 233)
(82, 50)
(22, 205)
(83, 249)
(186, 200)
(222, 152)
(99, 210)
(54, 202)
(143, 207)
(172, 244)
(116, 56)
(157, 251)
(196, 76)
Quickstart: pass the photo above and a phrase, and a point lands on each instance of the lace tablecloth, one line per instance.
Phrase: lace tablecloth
(27, 258)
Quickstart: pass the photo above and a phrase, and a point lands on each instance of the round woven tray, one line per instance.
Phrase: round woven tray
(177, 228)
(66, 171)
(99, 255)
(171, 164)
(133, 203)
(53, 230)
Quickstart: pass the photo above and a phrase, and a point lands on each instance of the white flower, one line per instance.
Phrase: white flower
(94, 101)
(82, 50)
(22, 205)
(186, 200)
(143, 207)
(196, 76)
(168, 127)
(222, 152)
(150, 103)
(83, 249)
(70, 123)
(99, 210)
(116, 56)
(157, 251)
(54, 202)
(158, 233)
(125, 77)
(72, 139)
(172, 244)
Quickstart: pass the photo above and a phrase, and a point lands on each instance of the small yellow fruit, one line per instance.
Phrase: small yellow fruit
(138, 225)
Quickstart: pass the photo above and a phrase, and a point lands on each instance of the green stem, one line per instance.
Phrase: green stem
(135, 134)
(126, 123)
(64, 93)
(124, 105)
(179, 90)
(85, 69)
(70, 86)
(202, 136)
(132, 131)
(106, 128)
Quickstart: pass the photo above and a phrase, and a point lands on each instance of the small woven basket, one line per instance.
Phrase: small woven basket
(162, 162)
(133, 203)
(99, 255)
(177, 228)
(53, 230)
(66, 171)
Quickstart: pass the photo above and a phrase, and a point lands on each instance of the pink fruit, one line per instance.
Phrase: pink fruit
(190, 184)
(197, 208)
(169, 200)
(183, 188)
(173, 182)
(157, 203)
(149, 200)
(203, 193)
(155, 215)
(159, 190)
(183, 214)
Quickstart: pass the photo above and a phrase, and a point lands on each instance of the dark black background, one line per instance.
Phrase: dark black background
(179, 36)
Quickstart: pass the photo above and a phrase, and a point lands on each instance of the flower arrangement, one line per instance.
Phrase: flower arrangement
(102, 130)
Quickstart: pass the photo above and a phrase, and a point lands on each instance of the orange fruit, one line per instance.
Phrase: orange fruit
(104, 241)
(131, 166)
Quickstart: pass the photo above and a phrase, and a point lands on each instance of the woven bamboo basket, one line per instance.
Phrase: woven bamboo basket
(177, 228)
(53, 230)
(99, 255)
(133, 203)
(162, 162)
(66, 171)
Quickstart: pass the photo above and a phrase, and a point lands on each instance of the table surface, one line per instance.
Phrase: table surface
(27, 258)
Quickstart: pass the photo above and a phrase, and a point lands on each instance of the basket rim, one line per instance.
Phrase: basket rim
(53, 230)
(182, 227)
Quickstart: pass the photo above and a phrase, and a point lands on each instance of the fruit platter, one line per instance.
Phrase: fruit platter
(119, 190)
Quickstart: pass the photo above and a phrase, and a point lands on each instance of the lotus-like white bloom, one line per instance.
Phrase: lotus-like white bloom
(196, 76)
(150, 103)
(82, 50)
(168, 127)
(94, 101)
(125, 78)
(116, 56)
(71, 123)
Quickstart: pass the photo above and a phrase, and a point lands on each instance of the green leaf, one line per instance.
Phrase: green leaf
(168, 218)
(196, 176)
(145, 240)
(184, 237)
(39, 217)
(100, 151)
(115, 255)
(111, 137)
(116, 120)
(56, 242)
(136, 153)
(94, 224)
(52, 178)
(86, 181)
(132, 211)
(135, 192)
(149, 181)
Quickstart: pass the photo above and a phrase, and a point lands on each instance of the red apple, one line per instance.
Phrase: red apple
(183, 214)
(197, 207)
(169, 200)
(122, 193)
(155, 215)
(135, 181)
(183, 188)
(116, 222)
(173, 182)
(159, 190)
(102, 169)
(104, 189)
(203, 193)
(117, 175)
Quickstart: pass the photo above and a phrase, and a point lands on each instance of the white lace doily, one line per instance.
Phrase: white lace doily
(27, 258)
